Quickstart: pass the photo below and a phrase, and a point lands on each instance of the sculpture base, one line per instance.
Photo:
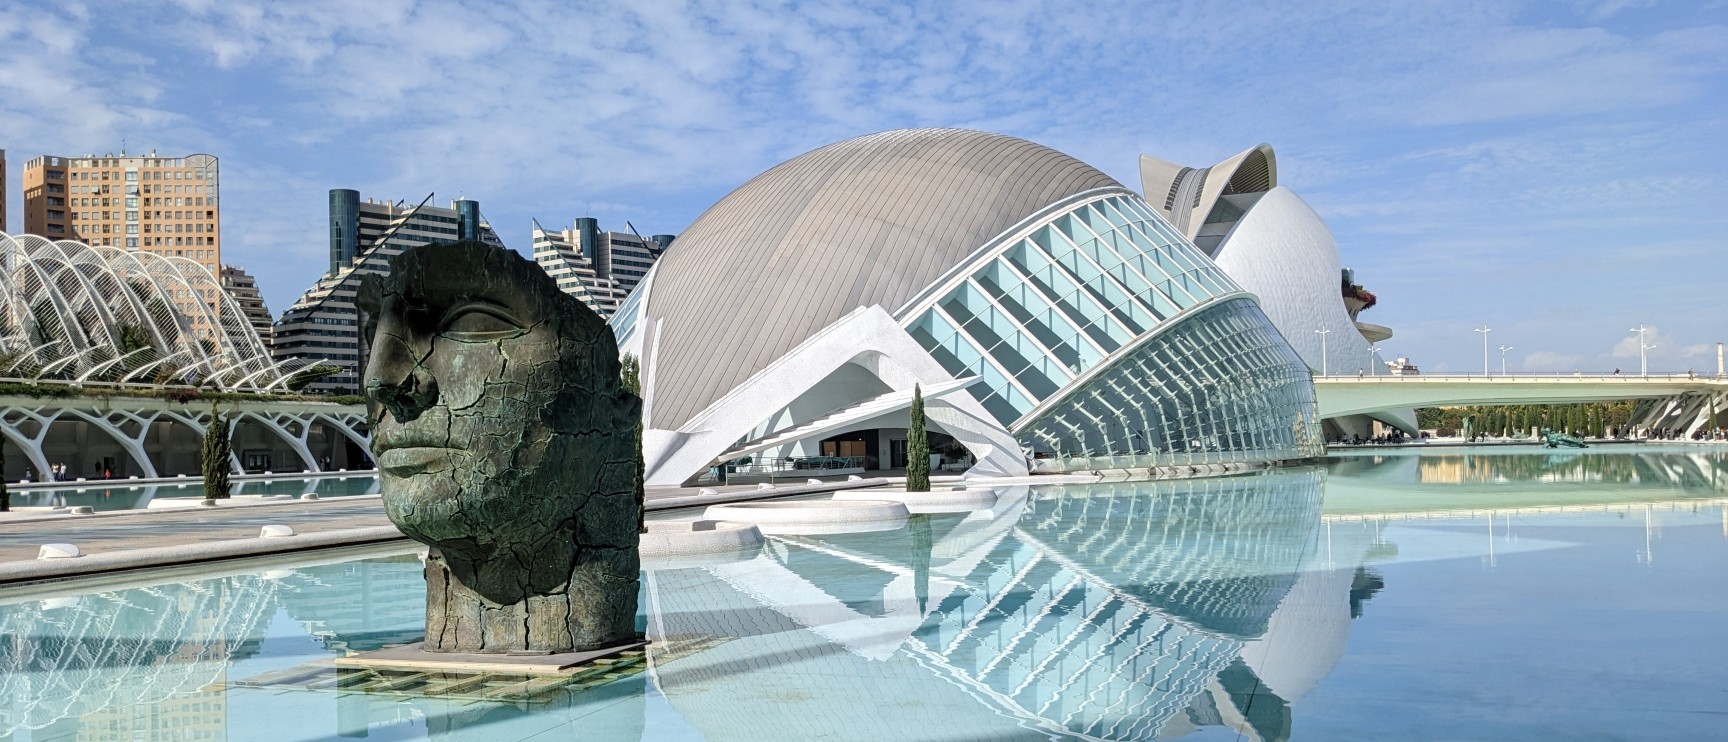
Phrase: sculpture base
(412, 657)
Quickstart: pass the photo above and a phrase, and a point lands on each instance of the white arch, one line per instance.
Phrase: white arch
(134, 446)
(87, 295)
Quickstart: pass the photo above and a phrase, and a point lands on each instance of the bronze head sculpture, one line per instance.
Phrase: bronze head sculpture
(505, 442)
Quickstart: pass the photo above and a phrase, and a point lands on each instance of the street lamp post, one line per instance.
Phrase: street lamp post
(1484, 330)
(1322, 332)
(1643, 363)
(1372, 349)
(1503, 350)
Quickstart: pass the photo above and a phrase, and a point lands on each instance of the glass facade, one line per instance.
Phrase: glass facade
(1219, 387)
(1078, 289)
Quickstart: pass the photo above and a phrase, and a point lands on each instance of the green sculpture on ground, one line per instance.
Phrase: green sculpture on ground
(505, 442)
(1553, 439)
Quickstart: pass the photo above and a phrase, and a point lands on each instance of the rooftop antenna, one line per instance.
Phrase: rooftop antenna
(633, 231)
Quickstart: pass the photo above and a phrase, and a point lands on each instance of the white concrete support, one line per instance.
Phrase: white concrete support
(10, 419)
(284, 426)
(200, 423)
(113, 423)
(868, 338)
(129, 422)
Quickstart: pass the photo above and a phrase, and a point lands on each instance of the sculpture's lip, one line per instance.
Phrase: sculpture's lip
(406, 461)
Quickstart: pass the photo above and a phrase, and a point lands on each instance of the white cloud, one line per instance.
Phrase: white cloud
(1551, 362)
(1576, 141)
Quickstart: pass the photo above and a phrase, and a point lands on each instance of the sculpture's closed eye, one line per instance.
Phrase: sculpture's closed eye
(475, 323)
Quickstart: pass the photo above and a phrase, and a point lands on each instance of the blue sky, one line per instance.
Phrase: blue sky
(1554, 170)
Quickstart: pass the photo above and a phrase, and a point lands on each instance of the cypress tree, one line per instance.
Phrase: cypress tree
(630, 377)
(217, 450)
(5, 494)
(917, 447)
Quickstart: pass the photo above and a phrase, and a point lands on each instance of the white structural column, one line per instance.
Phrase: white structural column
(11, 419)
(113, 423)
(293, 431)
(25, 425)
(348, 425)
(867, 337)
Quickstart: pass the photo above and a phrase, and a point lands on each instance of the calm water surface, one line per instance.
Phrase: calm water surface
(1445, 594)
(117, 495)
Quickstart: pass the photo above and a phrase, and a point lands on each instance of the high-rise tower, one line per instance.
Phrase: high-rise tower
(166, 205)
(323, 326)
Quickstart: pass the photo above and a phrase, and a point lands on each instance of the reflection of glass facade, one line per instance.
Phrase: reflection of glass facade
(1084, 288)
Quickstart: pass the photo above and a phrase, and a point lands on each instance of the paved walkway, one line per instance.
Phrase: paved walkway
(179, 526)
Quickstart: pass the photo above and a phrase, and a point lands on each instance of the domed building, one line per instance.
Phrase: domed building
(1053, 320)
(1274, 245)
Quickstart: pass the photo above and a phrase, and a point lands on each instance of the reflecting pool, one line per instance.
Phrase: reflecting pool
(1439, 593)
(119, 495)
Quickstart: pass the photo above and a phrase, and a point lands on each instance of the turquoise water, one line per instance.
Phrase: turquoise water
(1504, 594)
(119, 496)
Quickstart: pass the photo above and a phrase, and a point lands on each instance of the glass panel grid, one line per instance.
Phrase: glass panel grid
(1088, 282)
(1222, 387)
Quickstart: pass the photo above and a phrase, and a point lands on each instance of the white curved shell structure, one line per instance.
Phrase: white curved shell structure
(74, 312)
(1281, 252)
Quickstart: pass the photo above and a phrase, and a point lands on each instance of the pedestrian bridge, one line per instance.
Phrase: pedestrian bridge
(1339, 396)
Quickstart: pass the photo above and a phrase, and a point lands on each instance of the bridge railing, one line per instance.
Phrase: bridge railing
(1526, 375)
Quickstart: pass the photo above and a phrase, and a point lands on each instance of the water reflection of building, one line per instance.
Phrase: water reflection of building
(1681, 469)
(1116, 611)
(128, 664)
(359, 606)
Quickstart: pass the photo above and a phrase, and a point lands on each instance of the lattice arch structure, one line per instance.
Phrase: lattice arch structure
(156, 438)
(75, 312)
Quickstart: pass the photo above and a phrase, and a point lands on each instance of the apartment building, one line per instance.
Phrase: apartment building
(323, 326)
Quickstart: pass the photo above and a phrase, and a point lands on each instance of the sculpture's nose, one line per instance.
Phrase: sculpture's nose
(396, 382)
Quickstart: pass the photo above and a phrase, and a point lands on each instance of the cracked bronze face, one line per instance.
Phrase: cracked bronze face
(500, 430)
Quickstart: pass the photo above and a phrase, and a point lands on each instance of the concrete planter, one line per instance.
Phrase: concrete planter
(815, 517)
(934, 501)
(682, 544)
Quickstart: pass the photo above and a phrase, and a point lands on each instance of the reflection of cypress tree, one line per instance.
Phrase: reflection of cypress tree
(217, 450)
(917, 446)
(922, 544)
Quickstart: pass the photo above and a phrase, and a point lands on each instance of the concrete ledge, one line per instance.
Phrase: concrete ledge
(30, 571)
(934, 501)
(682, 544)
(102, 484)
(415, 657)
(124, 561)
(818, 517)
(750, 495)
(37, 515)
